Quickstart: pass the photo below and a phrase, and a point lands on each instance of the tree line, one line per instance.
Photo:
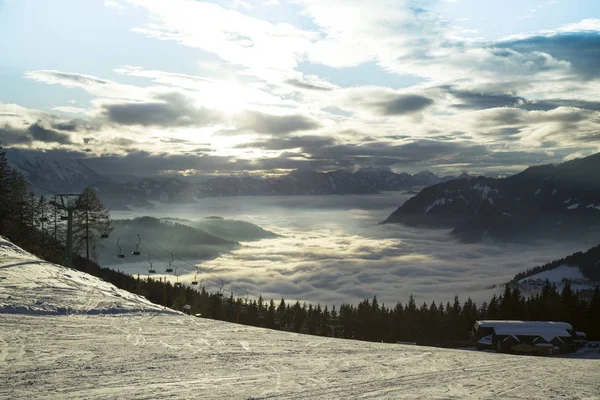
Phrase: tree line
(34, 224)
(37, 223)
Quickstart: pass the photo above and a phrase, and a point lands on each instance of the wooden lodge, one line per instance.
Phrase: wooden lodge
(526, 337)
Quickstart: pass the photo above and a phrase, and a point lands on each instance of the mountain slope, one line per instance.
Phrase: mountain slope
(551, 200)
(183, 240)
(88, 354)
(58, 174)
(29, 285)
(587, 263)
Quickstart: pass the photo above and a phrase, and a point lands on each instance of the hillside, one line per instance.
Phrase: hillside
(587, 263)
(554, 201)
(29, 285)
(184, 240)
(103, 349)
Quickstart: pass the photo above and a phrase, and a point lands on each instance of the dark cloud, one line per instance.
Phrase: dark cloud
(306, 143)
(581, 50)
(274, 124)
(305, 85)
(480, 100)
(38, 132)
(172, 109)
(73, 125)
(403, 104)
(10, 135)
(34, 132)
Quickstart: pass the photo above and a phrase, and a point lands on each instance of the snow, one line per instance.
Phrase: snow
(517, 325)
(573, 206)
(31, 286)
(547, 333)
(567, 201)
(594, 206)
(558, 275)
(438, 202)
(149, 354)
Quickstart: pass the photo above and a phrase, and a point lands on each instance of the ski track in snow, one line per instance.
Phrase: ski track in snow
(89, 339)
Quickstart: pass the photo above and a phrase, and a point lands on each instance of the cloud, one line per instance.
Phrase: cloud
(403, 104)
(274, 124)
(306, 143)
(304, 84)
(580, 49)
(331, 250)
(480, 100)
(171, 110)
(10, 135)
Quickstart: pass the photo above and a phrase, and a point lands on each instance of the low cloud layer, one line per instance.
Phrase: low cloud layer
(332, 250)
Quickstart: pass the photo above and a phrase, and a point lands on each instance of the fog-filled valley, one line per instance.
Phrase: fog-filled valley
(327, 249)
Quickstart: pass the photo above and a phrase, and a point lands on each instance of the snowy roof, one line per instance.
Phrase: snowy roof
(523, 324)
(547, 333)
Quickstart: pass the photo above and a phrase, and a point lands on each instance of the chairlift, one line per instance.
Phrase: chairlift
(170, 266)
(195, 281)
(150, 269)
(136, 252)
(104, 235)
(220, 294)
(120, 253)
(44, 219)
(64, 217)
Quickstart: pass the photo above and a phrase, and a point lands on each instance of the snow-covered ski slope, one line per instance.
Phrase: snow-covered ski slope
(89, 340)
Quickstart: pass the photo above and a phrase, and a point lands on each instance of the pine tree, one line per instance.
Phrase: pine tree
(91, 219)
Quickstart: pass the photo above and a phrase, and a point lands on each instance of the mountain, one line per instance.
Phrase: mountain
(184, 240)
(297, 183)
(543, 201)
(55, 173)
(577, 266)
(72, 175)
(234, 230)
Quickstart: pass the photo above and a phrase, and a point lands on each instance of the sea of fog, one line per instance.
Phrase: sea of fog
(332, 250)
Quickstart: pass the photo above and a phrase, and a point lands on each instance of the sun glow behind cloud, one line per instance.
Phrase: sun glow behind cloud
(245, 81)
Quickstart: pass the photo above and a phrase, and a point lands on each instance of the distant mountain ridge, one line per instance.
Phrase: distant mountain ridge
(72, 175)
(548, 200)
(58, 174)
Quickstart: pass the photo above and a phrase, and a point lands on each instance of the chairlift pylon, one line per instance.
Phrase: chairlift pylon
(150, 269)
(177, 283)
(120, 253)
(170, 266)
(136, 252)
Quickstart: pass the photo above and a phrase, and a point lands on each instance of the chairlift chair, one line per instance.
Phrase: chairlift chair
(64, 218)
(104, 235)
(120, 253)
(136, 252)
(195, 281)
(150, 269)
(170, 266)
(43, 219)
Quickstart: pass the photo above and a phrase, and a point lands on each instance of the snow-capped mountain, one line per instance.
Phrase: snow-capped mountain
(548, 200)
(57, 174)
(72, 175)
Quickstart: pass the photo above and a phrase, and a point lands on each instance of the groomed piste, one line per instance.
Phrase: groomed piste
(65, 334)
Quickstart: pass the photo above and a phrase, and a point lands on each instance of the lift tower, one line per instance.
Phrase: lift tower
(68, 203)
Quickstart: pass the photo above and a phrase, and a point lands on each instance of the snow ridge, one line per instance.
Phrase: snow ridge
(29, 285)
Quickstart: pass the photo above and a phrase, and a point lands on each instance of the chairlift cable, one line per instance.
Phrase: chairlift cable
(201, 269)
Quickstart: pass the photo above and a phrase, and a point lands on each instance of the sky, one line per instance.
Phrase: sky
(264, 87)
